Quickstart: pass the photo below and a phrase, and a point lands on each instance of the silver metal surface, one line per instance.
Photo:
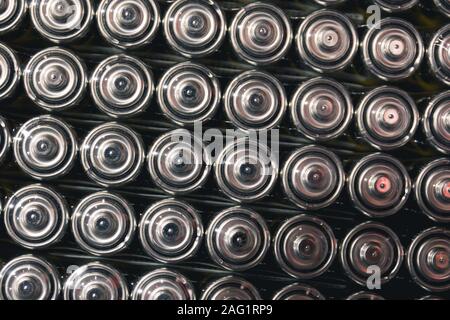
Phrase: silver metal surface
(62, 21)
(128, 24)
(298, 291)
(230, 288)
(327, 41)
(261, 33)
(171, 231)
(95, 281)
(29, 278)
(195, 28)
(321, 109)
(10, 72)
(36, 216)
(112, 154)
(255, 100)
(122, 86)
(436, 122)
(45, 147)
(379, 185)
(103, 223)
(387, 118)
(12, 13)
(163, 284)
(396, 5)
(55, 79)
(178, 162)
(371, 244)
(428, 259)
(305, 247)
(312, 177)
(237, 239)
(439, 54)
(189, 93)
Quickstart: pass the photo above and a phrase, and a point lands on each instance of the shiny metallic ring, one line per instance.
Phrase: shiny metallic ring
(237, 239)
(428, 259)
(11, 72)
(128, 24)
(246, 170)
(371, 245)
(112, 154)
(103, 223)
(36, 216)
(443, 6)
(439, 54)
(261, 33)
(163, 284)
(122, 86)
(55, 79)
(387, 118)
(195, 28)
(255, 100)
(396, 5)
(171, 231)
(436, 122)
(379, 185)
(12, 13)
(321, 109)
(95, 281)
(29, 278)
(327, 41)
(62, 20)
(45, 147)
(392, 49)
(189, 93)
(363, 295)
(178, 162)
(432, 190)
(298, 291)
(230, 288)
(313, 177)
(5, 139)
(305, 247)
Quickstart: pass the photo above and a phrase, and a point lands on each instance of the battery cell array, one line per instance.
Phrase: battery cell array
(111, 191)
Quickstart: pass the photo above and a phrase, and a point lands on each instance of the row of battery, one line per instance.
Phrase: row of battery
(237, 239)
(245, 170)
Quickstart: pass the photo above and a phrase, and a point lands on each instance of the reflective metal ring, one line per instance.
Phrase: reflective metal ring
(305, 247)
(5, 139)
(195, 28)
(313, 177)
(298, 291)
(29, 278)
(103, 223)
(122, 86)
(443, 6)
(11, 72)
(327, 41)
(387, 118)
(62, 20)
(55, 79)
(428, 259)
(439, 54)
(112, 154)
(237, 239)
(189, 93)
(230, 288)
(321, 109)
(36, 216)
(171, 231)
(12, 13)
(436, 122)
(128, 24)
(255, 100)
(396, 5)
(95, 281)
(178, 162)
(371, 244)
(379, 185)
(45, 147)
(163, 284)
(363, 295)
(261, 33)
(246, 170)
